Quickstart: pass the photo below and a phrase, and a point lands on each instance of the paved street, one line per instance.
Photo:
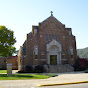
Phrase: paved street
(84, 85)
(28, 85)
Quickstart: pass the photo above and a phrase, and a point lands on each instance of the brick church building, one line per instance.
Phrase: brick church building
(50, 44)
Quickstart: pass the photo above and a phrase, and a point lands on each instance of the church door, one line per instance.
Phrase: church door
(53, 59)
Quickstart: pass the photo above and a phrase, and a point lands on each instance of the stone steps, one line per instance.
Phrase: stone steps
(60, 68)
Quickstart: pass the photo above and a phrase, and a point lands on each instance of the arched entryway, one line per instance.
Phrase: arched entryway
(53, 53)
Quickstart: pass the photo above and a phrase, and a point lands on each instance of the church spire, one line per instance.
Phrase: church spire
(51, 13)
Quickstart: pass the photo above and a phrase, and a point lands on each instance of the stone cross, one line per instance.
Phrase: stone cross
(51, 13)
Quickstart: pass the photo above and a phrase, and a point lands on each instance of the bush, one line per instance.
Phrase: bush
(2, 68)
(28, 68)
(20, 71)
(80, 64)
(38, 69)
(80, 68)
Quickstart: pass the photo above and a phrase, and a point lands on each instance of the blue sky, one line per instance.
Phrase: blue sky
(20, 15)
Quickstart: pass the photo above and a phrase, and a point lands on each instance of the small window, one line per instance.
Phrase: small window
(36, 50)
(52, 37)
(24, 51)
(71, 50)
(71, 56)
(58, 38)
(63, 56)
(36, 56)
(49, 37)
(35, 31)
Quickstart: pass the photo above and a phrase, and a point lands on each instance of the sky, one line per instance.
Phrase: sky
(20, 15)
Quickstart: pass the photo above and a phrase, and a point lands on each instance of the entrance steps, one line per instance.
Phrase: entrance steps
(60, 68)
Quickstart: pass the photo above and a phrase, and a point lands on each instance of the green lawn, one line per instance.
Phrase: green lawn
(3, 71)
(22, 76)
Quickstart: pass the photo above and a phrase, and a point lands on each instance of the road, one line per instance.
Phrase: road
(83, 85)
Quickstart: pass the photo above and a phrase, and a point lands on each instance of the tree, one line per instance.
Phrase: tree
(7, 40)
(12, 50)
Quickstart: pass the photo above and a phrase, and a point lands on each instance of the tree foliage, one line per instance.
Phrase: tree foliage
(82, 53)
(7, 40)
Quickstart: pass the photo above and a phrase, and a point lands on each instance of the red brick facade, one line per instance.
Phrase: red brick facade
(50, 39)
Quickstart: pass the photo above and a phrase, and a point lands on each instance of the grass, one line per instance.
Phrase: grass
(3, 71)
(22, 76)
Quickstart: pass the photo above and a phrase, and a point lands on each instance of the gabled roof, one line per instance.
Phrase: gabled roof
(53, 18)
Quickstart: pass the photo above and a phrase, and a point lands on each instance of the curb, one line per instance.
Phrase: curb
(62, 83)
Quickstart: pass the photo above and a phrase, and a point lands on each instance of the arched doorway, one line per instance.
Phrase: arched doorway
(53, 53)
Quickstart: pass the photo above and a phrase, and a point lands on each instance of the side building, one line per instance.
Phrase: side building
(50, 44)
(11, 59)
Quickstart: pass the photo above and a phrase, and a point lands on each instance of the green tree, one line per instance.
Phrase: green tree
(12, 50)
(7, 40)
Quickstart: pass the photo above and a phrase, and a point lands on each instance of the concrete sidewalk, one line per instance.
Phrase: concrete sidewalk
(62, 78)
(66, 78)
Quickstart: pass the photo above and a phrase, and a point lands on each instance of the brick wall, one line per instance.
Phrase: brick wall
(52, 27)
(13, 60)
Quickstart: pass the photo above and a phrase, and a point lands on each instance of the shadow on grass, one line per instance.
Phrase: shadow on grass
(3, 75)
(18, 75)
(22, 75)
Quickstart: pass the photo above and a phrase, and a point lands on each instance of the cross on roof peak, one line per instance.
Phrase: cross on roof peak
(51, 13)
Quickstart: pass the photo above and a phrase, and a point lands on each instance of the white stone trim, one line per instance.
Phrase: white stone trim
(58, 53)
(54, 42)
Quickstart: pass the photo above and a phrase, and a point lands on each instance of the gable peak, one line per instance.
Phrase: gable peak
(51, 17)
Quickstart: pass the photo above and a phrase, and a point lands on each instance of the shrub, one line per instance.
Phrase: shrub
(80, 68)
(81, 64)
(28, 68)
(3, 68)
(38, 69)
(20, 71)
